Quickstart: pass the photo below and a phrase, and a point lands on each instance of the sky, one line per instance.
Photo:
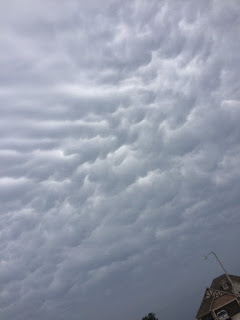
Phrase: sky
(119, 156)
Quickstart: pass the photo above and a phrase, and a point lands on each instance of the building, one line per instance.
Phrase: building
(220, 296)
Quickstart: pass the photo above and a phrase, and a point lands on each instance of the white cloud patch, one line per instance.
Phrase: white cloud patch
(119, 147)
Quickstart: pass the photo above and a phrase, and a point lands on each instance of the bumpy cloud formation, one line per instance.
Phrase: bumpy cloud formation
(119, 146)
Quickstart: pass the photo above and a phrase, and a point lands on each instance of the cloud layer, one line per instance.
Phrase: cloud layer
(119, 146)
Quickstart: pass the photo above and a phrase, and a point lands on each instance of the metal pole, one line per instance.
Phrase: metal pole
(225, 271)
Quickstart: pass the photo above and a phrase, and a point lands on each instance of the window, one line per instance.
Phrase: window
(224, 285)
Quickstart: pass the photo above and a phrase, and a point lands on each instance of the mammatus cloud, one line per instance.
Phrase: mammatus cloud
(119, 146)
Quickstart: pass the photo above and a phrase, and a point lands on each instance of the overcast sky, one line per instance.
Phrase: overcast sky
(119, 156)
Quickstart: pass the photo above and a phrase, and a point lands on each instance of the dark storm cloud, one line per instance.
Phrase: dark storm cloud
(119, 146)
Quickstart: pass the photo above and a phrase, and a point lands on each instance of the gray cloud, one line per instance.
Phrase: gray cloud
(119, 146)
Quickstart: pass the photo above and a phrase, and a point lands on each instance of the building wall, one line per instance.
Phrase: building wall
(237, 285)
(232, 308)
(221, 301)
(207, 317)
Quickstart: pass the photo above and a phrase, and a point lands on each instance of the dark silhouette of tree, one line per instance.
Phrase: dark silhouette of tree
(150, 316)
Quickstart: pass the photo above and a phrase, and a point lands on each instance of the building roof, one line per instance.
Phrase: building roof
(217, 282)
(205, 307)
(215, 290)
